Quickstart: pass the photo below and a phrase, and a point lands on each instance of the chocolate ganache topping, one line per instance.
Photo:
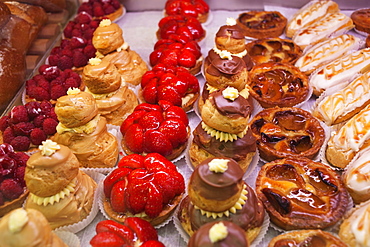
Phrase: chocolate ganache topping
(221, 66)
(212, 55)
(238, 107)
(236, 150)
(234, 32)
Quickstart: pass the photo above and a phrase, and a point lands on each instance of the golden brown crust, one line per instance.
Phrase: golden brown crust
(288, 131)
(16, 203)
(262, 24)
(278, 84)
(116, 14)
(299, 193)
(309, 237)
(361, 19)
(237, 81)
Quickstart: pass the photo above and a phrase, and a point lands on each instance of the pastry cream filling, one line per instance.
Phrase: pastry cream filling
(360, 226)
(237, 206)
(223, 136)
(230, 93)
(88, 128)
(187, 98)
(48, 147)
(218, 165)
(244, 92)
(105, 23)
(230, 21)
(17, 220)
(224, 54)
(73, 91)
(217, 232)
(54, 198)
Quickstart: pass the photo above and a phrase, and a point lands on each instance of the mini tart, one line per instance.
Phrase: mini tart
(11, 205)
(288, 131)
(278, 84)
(262, 24)
(361, 19)
(299, 193)
(273, 50)
(162, 217)
(306, 238)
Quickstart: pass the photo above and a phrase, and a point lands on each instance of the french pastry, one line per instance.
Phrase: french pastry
(153, 195)
(221, 233)
(110, 45)
(13, 190)
(367, 42)
(361, 18)
(276, 50)
(151, 128)
(115, 101)
(278, 84)
(339, 72)
(345, 103)
(84, 131)
(308, 238)
(174, 84)
(195, 8)
(262, 24)
(355, 177)
(352, 137)
(58, 188)
(299, 193)
(354, 231)
(216, 192)
(27, 227)
(327, 51)
(111, 9)
(310, 13)
(287, 131)
(322, 29)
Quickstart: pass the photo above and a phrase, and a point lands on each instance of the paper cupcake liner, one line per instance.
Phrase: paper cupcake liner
(69, 238)
(74, 228)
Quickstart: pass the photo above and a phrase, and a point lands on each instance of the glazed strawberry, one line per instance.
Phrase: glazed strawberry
(136, 195)
(112, 226)
(155, 162)
(115, 176)
(107, 239)
(132, 161)
(154, 203)
(156, 141)
(193, 8)
(176, 112)
(152, 243)
(134, 138)
(175, 130)
(143, 229)
(131, 119)
(117, 196)
(151, 120)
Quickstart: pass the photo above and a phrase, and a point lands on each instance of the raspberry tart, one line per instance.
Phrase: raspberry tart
(111, 9)
(162, 129)
(13, 189)
(82, 26)
(134, 231)
(149, 187)
(174, 84)
(195, 8)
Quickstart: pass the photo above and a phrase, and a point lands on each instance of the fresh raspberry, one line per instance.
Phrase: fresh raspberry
(38, 93)
(4, 122)
(70, 83)
(66, 52)
(89, 33)
(21, 143)
(8, 135)
(49, 72)
(37, 136)
(68, 30)
(53, 115)
(85, 6)
(19, 114)
(11, 189)
(116, 4)
(94, 24)
(49, 126)
(77, 42)
(23, 128)
(37, 121)
(83, 18)
(98, 11)
(108, 9)
(33, 109)
(89, 51)
(30, 83)
(57, 91)
(45, 107)
(65, 62)
(19, 175)
(79, 59)
(56, 82)
(19, 157)
(53, 59)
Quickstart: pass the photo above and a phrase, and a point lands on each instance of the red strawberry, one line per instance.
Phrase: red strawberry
(131, 119)
(184, 30)
(169, 57)
(136, 195)
(151, 120)
(187, 59)
(134, 137)
(132, 161)
(112, 226)
(155, 56)
(107, 239)
(138, 174)
(154, 203)
(154, 162)
(113, 177)
(117, 196)
(175, 130)
(164, 104)
(143, 229)
(177, 112)
(150, 92)
(147, 107)
(169, 93)
(171, 183)
(156, 142)
(152, 243)
(147, 77)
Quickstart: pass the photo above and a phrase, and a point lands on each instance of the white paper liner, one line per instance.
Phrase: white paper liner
(69, 238)
(184, 235)
(365, 34)
(101, 199)
(74, 228)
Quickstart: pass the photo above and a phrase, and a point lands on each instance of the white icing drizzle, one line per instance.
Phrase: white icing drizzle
(357, 175)
(360, 226)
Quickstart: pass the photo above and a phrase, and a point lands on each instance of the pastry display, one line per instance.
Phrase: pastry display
(310, 13)
(352, 137)
(133, 232)
(111, 46)
(27, 227)
(13, 189)
(299, 193)
(262, 24)
(111, 9)
(149, 186)
(276, 50)
(345, 103)
(62, 192)
(326, 51)
(308, 238)
(355, 177)
(361, 18)
(115, 101)
(338, 73)
(287, 131)
(354, 231)
(26, 126)
(222, 233)
(278, 84)
(216, 192)
(162, 129)
(195, 8)
(84, 131)
(174, 84)
(336, 23)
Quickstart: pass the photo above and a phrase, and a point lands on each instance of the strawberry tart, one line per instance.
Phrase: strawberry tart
(148, 186)
(194, 8)
(162, 129)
